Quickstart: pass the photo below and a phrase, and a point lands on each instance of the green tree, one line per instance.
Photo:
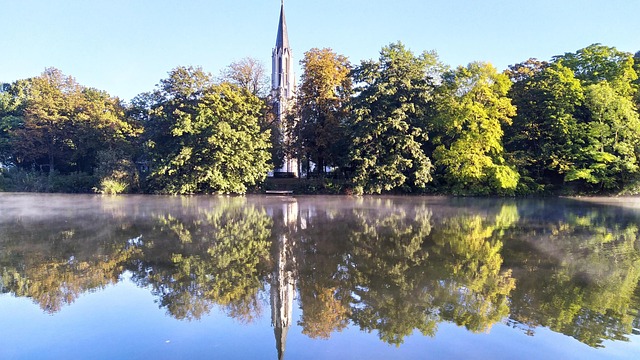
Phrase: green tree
(597, 63)
(609, 158)
(12, 103)
(608, 120)
(472, 108)
(544, 134)
(54, 124)
(321, 100)
(390, 115)
(204, 138)
(46, 136)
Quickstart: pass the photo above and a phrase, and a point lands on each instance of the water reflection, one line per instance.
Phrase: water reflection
(581, 272)
(386, 265)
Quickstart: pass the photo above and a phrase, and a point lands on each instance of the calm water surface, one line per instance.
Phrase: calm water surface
(144, 277)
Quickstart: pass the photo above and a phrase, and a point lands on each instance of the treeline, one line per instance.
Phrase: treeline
(404, 123)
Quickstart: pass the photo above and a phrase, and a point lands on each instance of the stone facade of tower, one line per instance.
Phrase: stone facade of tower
(283, 87)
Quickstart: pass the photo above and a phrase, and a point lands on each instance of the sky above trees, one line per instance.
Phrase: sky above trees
(125, 47)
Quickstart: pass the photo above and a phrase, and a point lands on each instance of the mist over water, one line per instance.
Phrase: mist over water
(269, 276)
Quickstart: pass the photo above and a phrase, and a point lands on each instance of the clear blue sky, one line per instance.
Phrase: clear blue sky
(126, 46)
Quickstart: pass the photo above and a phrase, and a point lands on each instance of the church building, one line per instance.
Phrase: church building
(283, 89)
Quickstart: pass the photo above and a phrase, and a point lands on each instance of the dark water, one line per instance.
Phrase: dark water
(89, 277)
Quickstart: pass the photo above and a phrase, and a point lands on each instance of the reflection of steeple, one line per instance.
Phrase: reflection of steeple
(283, 280)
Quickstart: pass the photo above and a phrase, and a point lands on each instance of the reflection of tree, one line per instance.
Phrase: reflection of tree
(378, 263)
(467, 256)
(387, 272)
(218, 256)
(194, 253)
(54, 259)
(323, 294)
(414, 272)
(324, 312)
(581, 273)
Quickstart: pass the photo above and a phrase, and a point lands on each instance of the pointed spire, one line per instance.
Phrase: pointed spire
(282, 40)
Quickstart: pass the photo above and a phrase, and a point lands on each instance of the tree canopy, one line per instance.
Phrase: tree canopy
(203, 137)
(321, 128)
(390, 112)
(403, 123)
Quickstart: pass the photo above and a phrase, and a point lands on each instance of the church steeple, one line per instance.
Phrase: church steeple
(283, 87)
(282, 40)
(282, 79)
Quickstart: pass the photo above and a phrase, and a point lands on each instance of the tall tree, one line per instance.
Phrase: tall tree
(609, 128)
(66, 124)
(609, 157)
(597, 63)
(544, 132)
(12, 103)
(472, 108)
(390, 114)
(248, 73)
(204, 138)
(322, 96)
(45, 137)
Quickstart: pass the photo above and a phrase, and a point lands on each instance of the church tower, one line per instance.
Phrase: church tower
(283, 86)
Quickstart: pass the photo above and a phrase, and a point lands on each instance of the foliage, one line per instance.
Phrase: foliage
(111, 187)
(215, 257)
(583, 269)
(609, 156)
(636, 60)
(472, 107)
(390, 113)
(577, 123)
(204, 138)
(12, 103)
(51, 123)
(247, 73)
(65, 124)
(544, 133)
(597, 63)
(320, 129)
(20, 180)
(401, 124)
(117, 173)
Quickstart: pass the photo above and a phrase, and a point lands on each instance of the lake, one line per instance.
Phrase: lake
(270, 277)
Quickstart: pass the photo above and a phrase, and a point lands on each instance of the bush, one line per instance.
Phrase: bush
(111, 187)
(77, 182)
(116, 171)
(19, 180)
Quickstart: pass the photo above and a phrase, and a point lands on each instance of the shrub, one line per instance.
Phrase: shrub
(111, 187)
(20, 180)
